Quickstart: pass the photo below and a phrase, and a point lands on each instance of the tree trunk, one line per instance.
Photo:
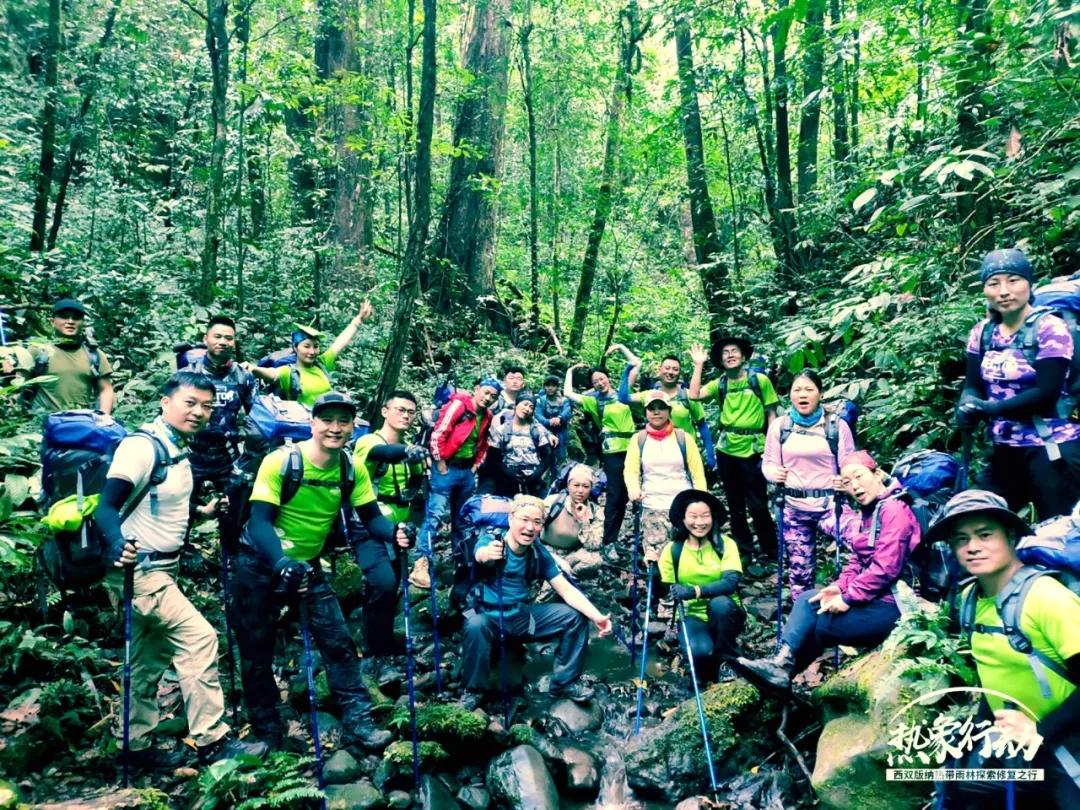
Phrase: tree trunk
(840, 121)
(338, 62)
(75, 144)
(48, 129)
(409, 284)
(534, 215)
(974, 207)
(735, 266)
(711, 268)
(785, 199)
(810, 114)
(463, 260)
(630, 34)
(856, 61)
(217, 47)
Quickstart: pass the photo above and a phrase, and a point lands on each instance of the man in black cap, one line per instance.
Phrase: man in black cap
(300, 491)
(81, 370)
(747, 403)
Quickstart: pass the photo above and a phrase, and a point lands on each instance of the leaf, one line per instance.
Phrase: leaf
(864, 198)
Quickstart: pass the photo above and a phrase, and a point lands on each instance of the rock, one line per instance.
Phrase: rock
(434, 795)
(694, 803)
(474, 797)
(129, 799)
(341, 768)
(766, 611)
(329, 728)
(576, 717)
(668, 760)
(399, 799)
(582, 774)
(9, 795)
(858, 704)
(360, 795)
(520, 778)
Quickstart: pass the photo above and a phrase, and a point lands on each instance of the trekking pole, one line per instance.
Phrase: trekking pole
(435, 621)
(838, 539)
(129, 596)
(779, 507)
(633, 582)
(504, 675)
(967, 439)
(230, 654)
(697, 698)
(644, 651)
(403, 557)
(309, 666)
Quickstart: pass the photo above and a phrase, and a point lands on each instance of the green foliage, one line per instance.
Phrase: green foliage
(442, 722)
(933, 652)
(400, 753)
(248, 783)
(67, 710)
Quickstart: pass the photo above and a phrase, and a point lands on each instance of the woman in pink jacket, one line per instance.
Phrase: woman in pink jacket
(799, 457)
(859, 609)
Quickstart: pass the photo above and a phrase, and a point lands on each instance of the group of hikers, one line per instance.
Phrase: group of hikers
(396, 489)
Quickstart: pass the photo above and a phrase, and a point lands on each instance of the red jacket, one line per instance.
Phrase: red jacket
(456, 422)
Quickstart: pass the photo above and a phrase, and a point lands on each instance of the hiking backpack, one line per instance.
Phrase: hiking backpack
(562, 480)
(279, 421)
(187, 353)
(1010, 607)
(753, 380)
(77, 450)
(443, 392)
(929, 478)
(1055, 544)
(287, 357)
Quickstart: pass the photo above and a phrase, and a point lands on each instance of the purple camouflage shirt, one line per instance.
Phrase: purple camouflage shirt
(1006, 372)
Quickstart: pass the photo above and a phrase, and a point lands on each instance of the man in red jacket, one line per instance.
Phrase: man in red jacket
(459, 443)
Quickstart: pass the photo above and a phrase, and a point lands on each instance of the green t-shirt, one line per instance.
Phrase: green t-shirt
(684, 415)
(314, 382)
(75, 385)
(468, 447)
(395, 484)
(305, 521)
(700, 567)
(1051, 620)
(618, 424)
(742, 411)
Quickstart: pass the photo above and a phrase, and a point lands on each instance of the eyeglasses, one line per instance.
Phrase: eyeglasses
(404, 411)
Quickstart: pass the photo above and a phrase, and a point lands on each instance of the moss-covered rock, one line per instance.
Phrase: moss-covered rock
(442, 722)
(399, 753)
(849, 772)
(669, 761)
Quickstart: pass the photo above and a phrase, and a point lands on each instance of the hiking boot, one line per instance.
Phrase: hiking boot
(577, 691)
(470, 700)
(363, 733)
(775, 672)
(155, 759)
(420, 576)
(228, 747)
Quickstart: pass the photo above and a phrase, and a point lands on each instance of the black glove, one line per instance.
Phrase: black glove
(416, 454)
(292, 575)
(683, 592)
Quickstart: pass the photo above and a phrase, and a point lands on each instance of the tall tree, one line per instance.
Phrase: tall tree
(707, 248)
(337, 58)
(785, 198)
(217, 47)
(838, 80)
(534, 215)
(47, 161)
(974, 206)
(463, 254)
(409, 282)
(813, 43)
(631, 32)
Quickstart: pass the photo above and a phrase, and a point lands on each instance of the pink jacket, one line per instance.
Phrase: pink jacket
(871, 572)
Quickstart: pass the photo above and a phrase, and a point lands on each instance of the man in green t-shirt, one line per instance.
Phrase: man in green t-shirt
(300, 492)
(747, 406)
(616, 425)
(396, 470)
(1032, 694)
(686, 414)
(81, 369)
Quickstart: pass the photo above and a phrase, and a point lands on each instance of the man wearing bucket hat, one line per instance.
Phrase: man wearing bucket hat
(1011, 606)
(300, 491)
(747, 403)
(81, 370)
(309, 377)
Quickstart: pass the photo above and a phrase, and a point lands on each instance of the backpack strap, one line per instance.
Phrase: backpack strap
(556, 509)
(787, 427)
(159, 472)
(292, 474)
(680, 437)
(676, 553)
(94, 356)
(753, 379)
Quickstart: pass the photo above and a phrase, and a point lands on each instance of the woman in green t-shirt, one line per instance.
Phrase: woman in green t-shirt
(703, 568)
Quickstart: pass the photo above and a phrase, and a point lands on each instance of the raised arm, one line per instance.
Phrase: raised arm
(568, 384)
(698, 355)
(349, 332)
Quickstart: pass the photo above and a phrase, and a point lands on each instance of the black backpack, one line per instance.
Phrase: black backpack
(75, 559)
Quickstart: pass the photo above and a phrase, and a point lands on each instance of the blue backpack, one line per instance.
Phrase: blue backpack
(280, 420)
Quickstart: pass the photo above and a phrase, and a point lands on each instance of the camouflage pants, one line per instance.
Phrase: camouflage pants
(800, 533)
(655, 530)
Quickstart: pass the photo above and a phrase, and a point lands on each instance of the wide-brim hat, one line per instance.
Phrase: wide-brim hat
(974, 502)
(745, 346)
(677, 513)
